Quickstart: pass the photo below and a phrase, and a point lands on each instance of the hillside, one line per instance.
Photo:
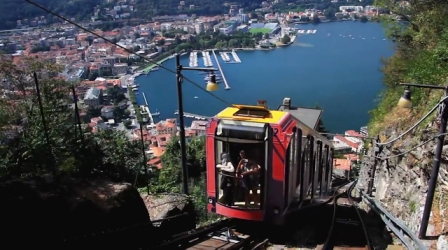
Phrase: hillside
(404, 165)
(83, 9)
(20, 10)
(201, 7)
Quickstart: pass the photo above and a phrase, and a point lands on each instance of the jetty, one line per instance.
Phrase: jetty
(194, 59)
(207, 59)
(235, 56)
(147, 109)
(191, 115)
(220, 70)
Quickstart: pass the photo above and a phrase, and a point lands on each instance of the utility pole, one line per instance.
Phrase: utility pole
(377, 150)
(435, 168)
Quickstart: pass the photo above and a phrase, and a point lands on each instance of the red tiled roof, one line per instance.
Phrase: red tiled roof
(353, 133)
(344, 140)
(343, 164)
(158, 151)
(352, 157)
(154, 161)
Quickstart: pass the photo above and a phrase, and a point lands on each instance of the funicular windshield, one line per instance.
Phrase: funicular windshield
(241, 156)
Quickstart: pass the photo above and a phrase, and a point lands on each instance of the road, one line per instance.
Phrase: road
(135, 124)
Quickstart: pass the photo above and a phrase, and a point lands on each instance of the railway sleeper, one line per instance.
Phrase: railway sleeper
(347, 222)
(228, 235)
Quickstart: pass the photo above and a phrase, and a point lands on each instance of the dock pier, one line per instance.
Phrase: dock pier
(195, 116)
(220, 70)
(147, 109)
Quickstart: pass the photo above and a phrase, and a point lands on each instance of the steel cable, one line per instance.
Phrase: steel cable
(124, 48)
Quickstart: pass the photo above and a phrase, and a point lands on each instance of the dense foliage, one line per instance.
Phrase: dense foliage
(20, 10)
(202, 7)
(421, 57)
(30, 147)
(211, 40)
(169, 178)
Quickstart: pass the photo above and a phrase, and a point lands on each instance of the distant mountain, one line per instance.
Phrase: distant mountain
(201, 7)
(13, 10)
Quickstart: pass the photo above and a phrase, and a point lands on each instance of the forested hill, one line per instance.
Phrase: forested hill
(206, 7)
(20, 9)
(83, 9)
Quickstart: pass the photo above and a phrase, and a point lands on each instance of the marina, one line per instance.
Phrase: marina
(146, 108)
(225, 57)
(194, 59)
(220, 70)
(235, 56)
(207, 59)
(257, 75)
(306, 32)
(195, 116)
(156, 114)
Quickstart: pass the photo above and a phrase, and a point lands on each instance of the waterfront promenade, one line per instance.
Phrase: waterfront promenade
(190, 115)
(220, 70)
(147, 109)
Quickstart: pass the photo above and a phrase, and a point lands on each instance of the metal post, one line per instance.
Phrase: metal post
(78, 119)
(145, 163)
(377, 151)
(182, 126)
(44, 125)
(434, 172)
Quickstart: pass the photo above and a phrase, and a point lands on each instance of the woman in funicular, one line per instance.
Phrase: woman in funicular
(249, 171)
(227, 183)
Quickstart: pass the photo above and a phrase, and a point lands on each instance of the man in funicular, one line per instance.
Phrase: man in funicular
(227, 184)
(249, 172)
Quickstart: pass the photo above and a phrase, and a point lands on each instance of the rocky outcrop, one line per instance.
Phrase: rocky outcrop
(73, 215)
(171, 213)
(401, 179)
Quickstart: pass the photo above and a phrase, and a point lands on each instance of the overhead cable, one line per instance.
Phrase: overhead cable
(415, 125)
(124, 48)
(407, 151)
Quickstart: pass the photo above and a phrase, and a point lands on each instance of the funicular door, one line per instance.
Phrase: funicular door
(244, 144)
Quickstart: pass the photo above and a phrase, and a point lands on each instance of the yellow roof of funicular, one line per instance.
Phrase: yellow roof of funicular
(231, 113)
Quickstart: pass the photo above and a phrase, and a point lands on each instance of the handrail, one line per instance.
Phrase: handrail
(399, 229)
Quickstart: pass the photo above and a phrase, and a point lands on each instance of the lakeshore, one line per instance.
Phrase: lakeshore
(272, 74)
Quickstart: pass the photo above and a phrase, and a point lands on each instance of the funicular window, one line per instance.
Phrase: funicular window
(241, 157)
(307, 168)
(252, 112)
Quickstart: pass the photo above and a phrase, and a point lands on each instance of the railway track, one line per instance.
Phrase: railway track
(220, 235)
(347, 229)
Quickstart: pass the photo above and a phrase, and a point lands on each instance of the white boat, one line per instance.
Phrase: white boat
(196, 97)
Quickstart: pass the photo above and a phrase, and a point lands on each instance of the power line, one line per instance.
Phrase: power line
(407, 151)
(416, 124)
(122, 47)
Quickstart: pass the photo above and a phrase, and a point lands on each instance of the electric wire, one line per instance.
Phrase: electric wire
(404, 133)
(415, 125)
(407, 151)
(124, 48)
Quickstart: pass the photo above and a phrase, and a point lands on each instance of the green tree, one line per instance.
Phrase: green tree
(127, 124)
(286, 39)
(320, 126)
(28, 151)
(421, 55)
(170, 177)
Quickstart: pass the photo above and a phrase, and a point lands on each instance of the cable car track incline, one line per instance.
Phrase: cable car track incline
(344, 227)
(219, 235)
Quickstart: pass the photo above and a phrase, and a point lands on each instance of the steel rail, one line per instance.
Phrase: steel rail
(329, 239)
(394, 224)
(366, 235)
(64, 240)
(186, 237)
